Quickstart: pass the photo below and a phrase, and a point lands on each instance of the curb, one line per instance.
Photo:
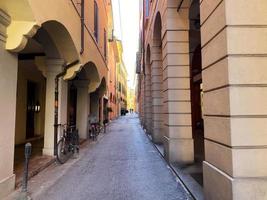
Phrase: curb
(172, 169)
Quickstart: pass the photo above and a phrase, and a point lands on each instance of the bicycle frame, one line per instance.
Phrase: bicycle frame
(68, 143)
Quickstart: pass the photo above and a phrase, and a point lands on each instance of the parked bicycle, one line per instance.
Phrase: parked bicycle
(94, 131)
(68, 143)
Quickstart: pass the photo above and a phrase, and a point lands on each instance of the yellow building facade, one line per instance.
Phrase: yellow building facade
(121, 80)
(40, 42)
(131, 101)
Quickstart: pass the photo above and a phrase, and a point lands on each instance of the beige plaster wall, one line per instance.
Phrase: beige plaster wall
(27, 71)
(234, 98)
(64, 13)
(8, 88)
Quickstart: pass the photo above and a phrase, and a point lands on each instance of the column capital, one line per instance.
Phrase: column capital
(4, 22)
(54, 65)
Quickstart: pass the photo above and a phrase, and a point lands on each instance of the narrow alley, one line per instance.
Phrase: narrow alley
(123, 165)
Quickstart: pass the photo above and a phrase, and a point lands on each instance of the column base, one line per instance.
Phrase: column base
(83, 135)
(179, 150)
(149, 128)
(48, 151)
(7, 186)
(157, 136)
(220, 186)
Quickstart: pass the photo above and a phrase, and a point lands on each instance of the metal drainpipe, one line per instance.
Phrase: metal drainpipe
(180, 5)
(82, 27)
(66, 67)
(143, 40)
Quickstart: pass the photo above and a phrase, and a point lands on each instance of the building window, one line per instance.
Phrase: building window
(96, 20)
(105, 44)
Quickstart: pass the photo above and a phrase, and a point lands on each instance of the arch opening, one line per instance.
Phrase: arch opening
(157, 82)
(40, 60)
(148, 97)
(98, 103)
(196, 89)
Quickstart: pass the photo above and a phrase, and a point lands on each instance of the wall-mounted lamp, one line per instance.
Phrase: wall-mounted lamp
(37, 107)
(34, 107)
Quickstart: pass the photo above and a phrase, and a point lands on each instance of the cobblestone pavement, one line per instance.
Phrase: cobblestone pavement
(123, 165)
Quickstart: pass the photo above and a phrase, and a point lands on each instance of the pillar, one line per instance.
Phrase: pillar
(147, 99)
(178, 142)
(234, 50)
(63, 101)
(82, 108)
(54, 67)
(8, 88)
(94, 104)
(156, 92)
(101, 108)
(142, 97)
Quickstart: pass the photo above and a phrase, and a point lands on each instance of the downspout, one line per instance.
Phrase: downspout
(66, 67)
(143, 39)
(180, 5)
(82, 27)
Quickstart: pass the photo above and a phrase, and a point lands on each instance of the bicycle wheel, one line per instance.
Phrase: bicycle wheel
(62, 151)
(77, 141)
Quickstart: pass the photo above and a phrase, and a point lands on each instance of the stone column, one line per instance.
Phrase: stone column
(147, 103)
(54, 67)
(94, 102)
(142, 106)
(82, 108)
(100, 108)
(63, 102)
(178, 142)
(234, 51)
(156, 92)
(8, 88)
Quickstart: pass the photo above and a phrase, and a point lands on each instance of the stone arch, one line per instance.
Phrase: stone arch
(157, 29)
(85, 81)
(90, 73)
(62, 40)
(102, 87)
(157, 81)
(49, 47)
(96, 100)
(57, 32)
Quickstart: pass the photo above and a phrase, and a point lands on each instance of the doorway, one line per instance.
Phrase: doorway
(196, 105)
(72, 105)
(31, 109)
(196, 91)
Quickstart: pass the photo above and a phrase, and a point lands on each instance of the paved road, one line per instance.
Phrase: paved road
(123, 166)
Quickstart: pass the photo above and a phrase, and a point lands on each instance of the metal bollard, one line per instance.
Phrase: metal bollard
(27, 152)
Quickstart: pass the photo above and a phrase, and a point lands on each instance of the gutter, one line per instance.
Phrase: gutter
(180, 5)
(66, 67)
(143, 39)
(82, 27)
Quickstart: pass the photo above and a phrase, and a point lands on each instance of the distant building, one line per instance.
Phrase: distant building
(121, 77)
(131, 99)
